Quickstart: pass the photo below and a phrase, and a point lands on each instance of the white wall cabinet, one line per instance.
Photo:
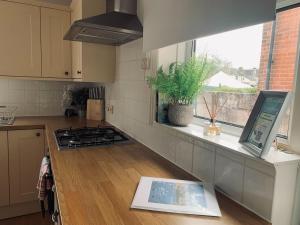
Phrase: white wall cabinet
(4, 184)
(56, 52)
(31, 41)
(20, 40)
(204, 162)
(91, 62)
(26, 150)
(229, 175)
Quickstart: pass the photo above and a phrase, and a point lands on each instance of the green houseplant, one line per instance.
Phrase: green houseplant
(180, 85)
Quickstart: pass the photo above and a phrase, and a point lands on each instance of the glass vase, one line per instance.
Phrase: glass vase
(212, 129)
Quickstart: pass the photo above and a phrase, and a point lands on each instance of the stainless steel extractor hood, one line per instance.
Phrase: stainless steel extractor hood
(118, 26)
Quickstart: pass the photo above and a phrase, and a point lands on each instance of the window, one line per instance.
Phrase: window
(247, 60)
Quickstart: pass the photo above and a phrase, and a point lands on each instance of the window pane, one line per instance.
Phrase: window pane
(236, 58)
(244, 65)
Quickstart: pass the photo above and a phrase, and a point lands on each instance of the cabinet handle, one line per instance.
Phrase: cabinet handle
(66, 73)
(78, 72)
(38, 134)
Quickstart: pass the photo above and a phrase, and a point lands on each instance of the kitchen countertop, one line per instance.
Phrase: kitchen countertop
(95, 186)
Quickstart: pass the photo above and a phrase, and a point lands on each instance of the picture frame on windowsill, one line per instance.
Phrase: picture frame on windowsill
(264, 121)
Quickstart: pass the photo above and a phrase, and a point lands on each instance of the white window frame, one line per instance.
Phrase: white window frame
(294, 126)
(294, 130)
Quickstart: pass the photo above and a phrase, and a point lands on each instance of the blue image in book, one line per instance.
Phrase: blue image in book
(177, 194)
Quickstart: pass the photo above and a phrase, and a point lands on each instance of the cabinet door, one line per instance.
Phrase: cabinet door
(204, 163)
(184, 155)
(229, 175)
(26, 150)
(56, 52)
(4, 185)
(258, 192)
(20, 37)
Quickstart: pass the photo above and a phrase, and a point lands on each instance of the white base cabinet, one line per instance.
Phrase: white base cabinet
(4, 185)
(21, 152)
(26, 150)
(258, 192)
(204, 162)
(184, 155)
(229, 175)
(267, 189)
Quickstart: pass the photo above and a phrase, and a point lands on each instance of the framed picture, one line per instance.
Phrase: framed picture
(176, 196)
(264, 121)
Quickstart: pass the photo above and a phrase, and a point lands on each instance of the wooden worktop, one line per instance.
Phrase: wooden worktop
(95, 186)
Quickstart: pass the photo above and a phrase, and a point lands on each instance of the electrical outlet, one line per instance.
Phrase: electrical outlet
(110, 109)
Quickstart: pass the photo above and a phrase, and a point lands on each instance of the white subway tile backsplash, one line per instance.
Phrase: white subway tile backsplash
(3, 95)
(32, 97)
(50, 109)
(32, 85)
(3, 85)
(47, 96)
(16, 84)
(31, 109)
(35, 98)
(16, 96)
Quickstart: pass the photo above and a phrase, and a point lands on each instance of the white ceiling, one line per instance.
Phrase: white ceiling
(60, 2)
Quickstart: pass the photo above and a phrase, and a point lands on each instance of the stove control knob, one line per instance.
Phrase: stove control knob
(38, 134)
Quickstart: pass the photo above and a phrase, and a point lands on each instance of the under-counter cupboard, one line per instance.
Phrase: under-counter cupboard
(266, 187)
(21, 153)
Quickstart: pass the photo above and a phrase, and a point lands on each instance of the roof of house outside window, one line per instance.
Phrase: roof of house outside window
(222, 79)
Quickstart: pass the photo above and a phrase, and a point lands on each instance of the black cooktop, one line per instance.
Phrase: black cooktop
(88, 137)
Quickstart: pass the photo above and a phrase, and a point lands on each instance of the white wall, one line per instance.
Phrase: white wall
(131, 98)
(34, 98)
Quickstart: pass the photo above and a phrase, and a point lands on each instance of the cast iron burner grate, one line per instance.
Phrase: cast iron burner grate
(88, 137)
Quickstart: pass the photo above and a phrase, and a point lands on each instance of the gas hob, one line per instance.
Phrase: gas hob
(71, 139)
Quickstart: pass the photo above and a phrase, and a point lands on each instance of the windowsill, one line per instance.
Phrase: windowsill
(228, 129)
(228, 142)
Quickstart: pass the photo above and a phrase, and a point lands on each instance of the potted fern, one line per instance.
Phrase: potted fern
(180, 85)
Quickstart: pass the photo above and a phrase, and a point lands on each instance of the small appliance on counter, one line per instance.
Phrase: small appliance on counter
(7, 115)
(71, 139)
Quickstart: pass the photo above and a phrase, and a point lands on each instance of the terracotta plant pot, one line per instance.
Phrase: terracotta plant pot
(180, 115)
